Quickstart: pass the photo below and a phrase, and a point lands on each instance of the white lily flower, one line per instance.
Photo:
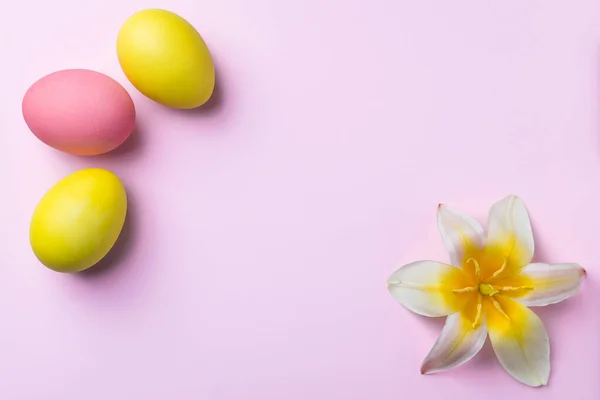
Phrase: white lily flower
(486, 290)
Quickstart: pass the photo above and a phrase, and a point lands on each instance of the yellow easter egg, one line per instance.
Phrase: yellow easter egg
(166, 59)
(78, 220)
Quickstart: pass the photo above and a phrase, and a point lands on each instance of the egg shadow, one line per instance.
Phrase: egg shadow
(118, 255)
(215, 104)
(123, 153)
(132, 144)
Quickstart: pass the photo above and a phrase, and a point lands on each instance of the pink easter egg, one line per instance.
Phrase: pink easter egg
(79, 111)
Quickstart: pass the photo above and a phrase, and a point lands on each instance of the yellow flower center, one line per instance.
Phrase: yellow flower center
(488, 287)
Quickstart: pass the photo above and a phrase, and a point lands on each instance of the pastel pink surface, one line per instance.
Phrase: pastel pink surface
(263, 227)
(79, 111)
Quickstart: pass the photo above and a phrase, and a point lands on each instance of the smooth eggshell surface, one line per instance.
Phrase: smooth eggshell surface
(79, 111)
(166, 59)
(77, 222)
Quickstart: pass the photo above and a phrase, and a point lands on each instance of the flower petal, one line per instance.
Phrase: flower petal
(459, 233)
(509, 231)
(551, 283)
(457, 344)
(519, 340)
(425, 287)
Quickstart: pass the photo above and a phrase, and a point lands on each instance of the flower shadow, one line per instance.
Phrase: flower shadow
(433, 324)
(484, 359)
(556, 316)
(542, 253)
(596, 85)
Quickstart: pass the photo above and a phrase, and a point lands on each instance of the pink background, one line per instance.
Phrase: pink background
(263, 227)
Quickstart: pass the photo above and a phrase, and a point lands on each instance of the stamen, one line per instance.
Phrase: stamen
(476, 264)
(512, 288)
(465, 289)
(479, 307)
(502, 268)
(499, 308)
